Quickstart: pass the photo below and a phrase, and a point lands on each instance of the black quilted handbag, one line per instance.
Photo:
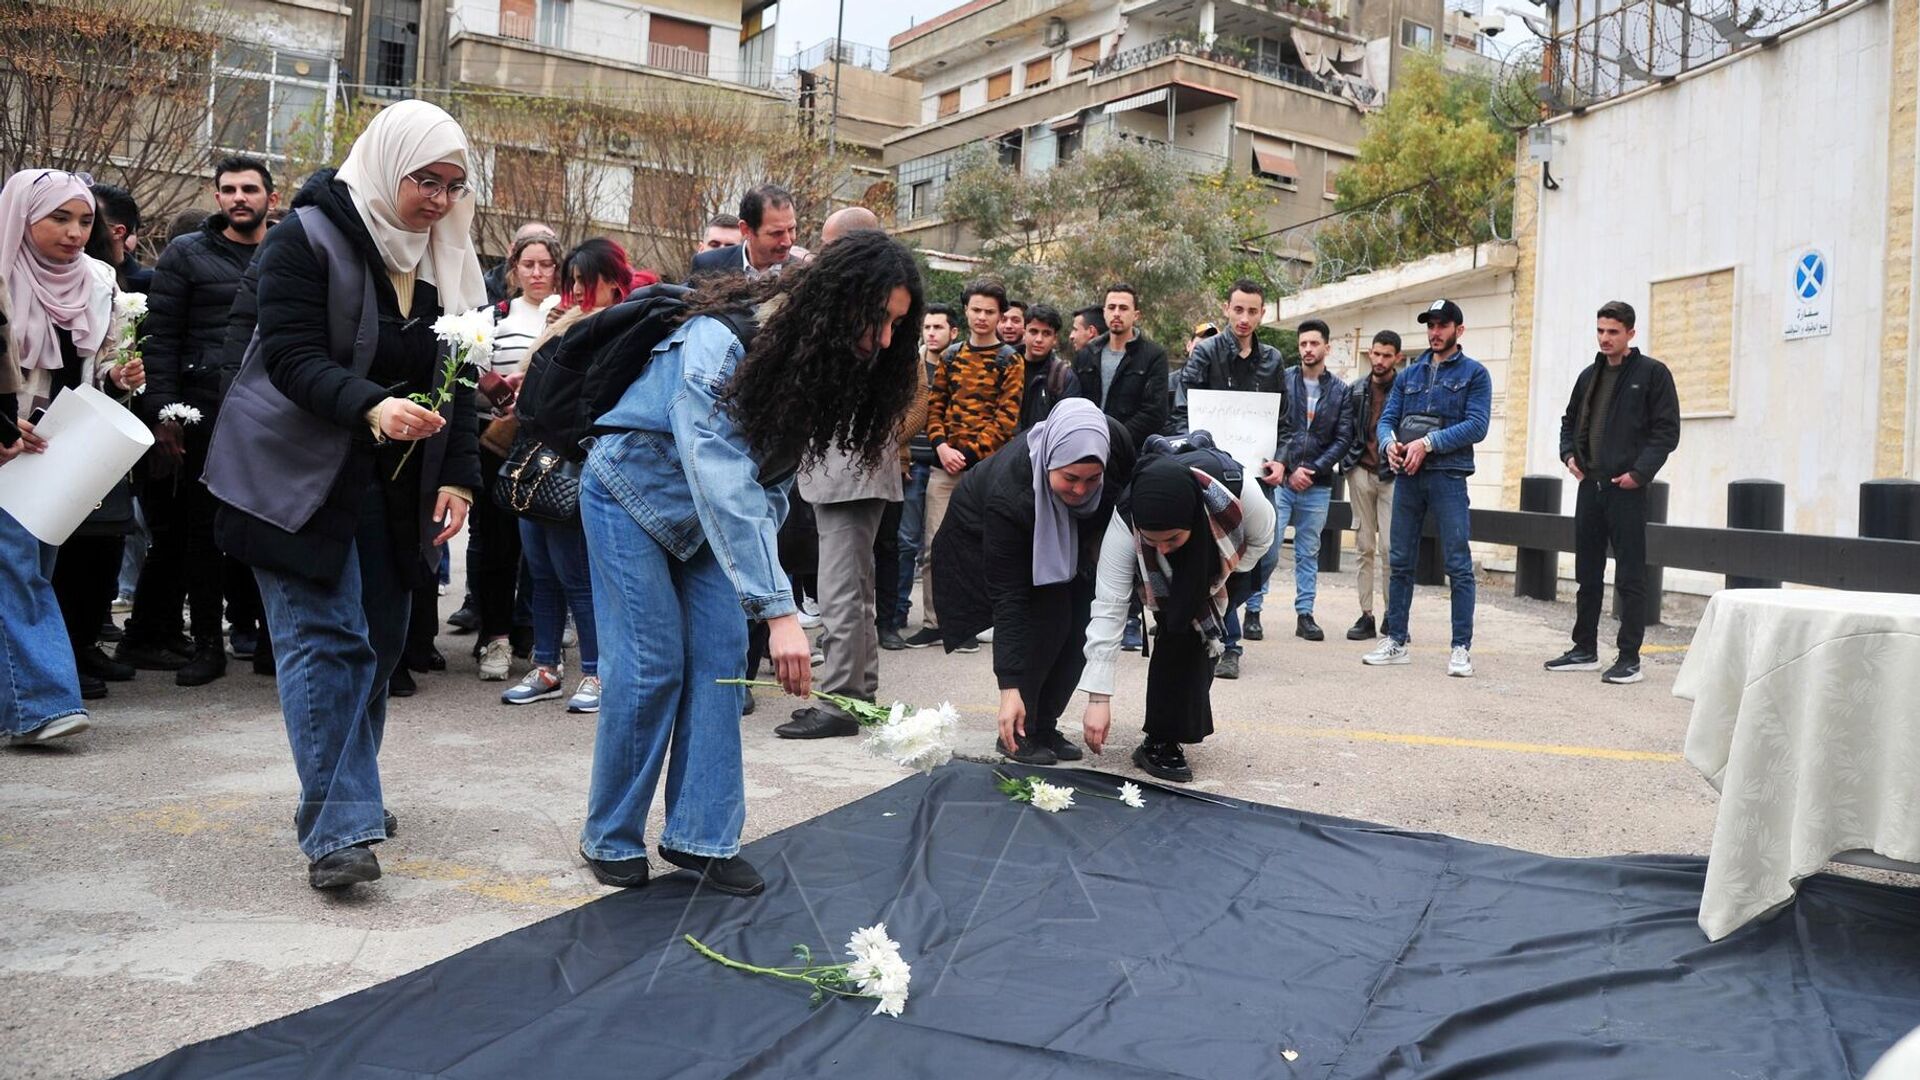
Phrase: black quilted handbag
(538, 484)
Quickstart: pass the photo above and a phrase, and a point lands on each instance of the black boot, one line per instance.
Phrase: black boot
(92, 689)
(209, 663)
(149, 656)
(1307, 628)
(339, 869)
(1164, 760)
(95, 662)
(401, 684)
(1363, 629)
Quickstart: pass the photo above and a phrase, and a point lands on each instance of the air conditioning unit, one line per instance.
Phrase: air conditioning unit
(620, 143)
(1055, 34)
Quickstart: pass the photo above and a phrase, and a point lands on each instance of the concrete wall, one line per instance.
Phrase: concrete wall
(1739, 166)
(310, 26)
(969, 67)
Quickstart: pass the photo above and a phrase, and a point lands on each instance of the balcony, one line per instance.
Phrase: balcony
(1156, 51)
(677, 59)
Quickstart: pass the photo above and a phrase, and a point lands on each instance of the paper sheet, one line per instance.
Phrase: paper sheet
(92, 440)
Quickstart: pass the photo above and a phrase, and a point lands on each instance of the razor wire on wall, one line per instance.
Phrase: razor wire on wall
(1586, 52)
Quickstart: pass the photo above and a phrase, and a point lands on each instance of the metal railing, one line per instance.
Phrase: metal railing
(1155, 51)
(1199, 162)
(852, 53)
(515, 25)
(677, 58)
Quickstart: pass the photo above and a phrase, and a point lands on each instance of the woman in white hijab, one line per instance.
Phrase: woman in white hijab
(310, 459)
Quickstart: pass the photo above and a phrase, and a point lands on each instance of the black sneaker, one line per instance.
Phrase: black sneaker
(1228, 666)
(1028, 751)
(465, 620)
(110, 631)
(1251, 629)
(1363, 629)
(1574, 660)
(401, 684)
(143, 656)
(1625, 670)
(817, 723)
(339, 869)
(619, 873)
(924, 637)
(971, 645)
(1305, 627)
(1061, 746)
(891, 640)
(209, 663)
(733, 875)
(92, 689)
(1164, 760)
(242, 641)
(95, 662)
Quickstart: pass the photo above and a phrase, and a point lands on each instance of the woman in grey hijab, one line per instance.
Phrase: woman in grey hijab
(1022, 535)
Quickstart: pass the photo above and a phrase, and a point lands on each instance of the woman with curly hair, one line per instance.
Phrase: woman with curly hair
(682, 501)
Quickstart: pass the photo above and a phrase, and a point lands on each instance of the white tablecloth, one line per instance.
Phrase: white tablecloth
(1806, 717)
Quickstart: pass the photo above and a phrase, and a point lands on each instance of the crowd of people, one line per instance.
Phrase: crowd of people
(788, 440)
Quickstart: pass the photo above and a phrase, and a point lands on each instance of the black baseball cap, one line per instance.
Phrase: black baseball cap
(1445, 311)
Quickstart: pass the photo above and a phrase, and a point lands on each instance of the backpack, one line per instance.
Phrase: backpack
(574, 380)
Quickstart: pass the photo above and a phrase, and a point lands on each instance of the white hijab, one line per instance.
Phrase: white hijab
(404, 138)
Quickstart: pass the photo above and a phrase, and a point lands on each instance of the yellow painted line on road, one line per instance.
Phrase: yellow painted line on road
(1406, 739)
(1662, 650)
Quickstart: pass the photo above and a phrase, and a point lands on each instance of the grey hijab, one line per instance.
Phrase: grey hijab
(1076, 429)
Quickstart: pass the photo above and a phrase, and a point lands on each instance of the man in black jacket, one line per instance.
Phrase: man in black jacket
(192, 293)
(1370, 477)
(1622, 421)
(1124, 372)
(1315, 430)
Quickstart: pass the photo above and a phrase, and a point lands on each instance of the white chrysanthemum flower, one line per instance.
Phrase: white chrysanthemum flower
(869, 941)
(1050, 798)
(1130, 794)
(130, 305)
(891, 1004)
(921, 740)
(180, 413)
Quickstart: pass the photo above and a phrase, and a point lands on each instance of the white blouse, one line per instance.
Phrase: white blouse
(514, 334)
(1119, 573)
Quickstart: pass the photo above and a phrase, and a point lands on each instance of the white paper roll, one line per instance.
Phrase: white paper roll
(92, 440)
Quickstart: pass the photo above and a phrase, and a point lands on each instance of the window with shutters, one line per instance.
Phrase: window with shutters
(999, 85)
(1085, 55)
(1039, 72)
(677, 45)
(949, 103)
(1273, 159)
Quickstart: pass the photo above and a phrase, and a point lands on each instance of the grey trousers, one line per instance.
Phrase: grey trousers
(848, 638)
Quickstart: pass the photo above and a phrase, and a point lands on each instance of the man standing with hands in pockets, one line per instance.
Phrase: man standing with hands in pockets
(1622, 421)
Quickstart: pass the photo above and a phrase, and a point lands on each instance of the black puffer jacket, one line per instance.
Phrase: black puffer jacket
(186, 326)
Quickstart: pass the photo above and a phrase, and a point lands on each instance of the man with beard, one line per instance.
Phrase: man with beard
(186, 326)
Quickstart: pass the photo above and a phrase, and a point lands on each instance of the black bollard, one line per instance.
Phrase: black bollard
(1756, 504)
(1330, 536)
(1656, 576)
(1890, 509)
(1536, 572)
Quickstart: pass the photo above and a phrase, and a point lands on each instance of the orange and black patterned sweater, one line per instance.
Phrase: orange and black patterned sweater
(975, 403)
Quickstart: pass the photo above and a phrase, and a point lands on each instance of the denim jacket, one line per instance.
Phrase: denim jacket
(1461, 394)
(680, 465)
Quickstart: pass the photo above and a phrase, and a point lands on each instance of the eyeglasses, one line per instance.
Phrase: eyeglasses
(85, 179)
(432, 187)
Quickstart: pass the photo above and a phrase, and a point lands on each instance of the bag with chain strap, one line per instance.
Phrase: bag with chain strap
(538, 483)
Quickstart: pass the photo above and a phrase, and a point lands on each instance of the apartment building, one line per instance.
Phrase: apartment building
(1274, 89)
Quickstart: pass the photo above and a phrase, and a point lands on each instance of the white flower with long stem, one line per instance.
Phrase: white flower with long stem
(129, 309)
(920, 739)
(876, 972)
(1054, 798)
(180, 413)
(468, 336)
(1130, 794)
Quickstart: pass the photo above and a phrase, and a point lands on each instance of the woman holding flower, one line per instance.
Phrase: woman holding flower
(682, 502)
(59, 318)
(1178, 540)
(337, 482)
(1022, 533)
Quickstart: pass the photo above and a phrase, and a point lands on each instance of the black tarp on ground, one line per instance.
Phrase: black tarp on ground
(1195, 938)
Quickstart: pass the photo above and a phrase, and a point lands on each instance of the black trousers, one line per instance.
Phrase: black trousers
(886, 566)
(1180, 675)
(183, 563)
(498, 536)
(85, 577)
(1057, 617)
(1605, 516)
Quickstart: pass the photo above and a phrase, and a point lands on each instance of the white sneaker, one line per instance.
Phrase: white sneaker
(818, 657)
(985, 637)
(1460, 665)
(122, 605)
(540, 684)
(496, 657)
(568, 637)
(808, 621)
(55, 729)
(586, 698)
(1387, 652)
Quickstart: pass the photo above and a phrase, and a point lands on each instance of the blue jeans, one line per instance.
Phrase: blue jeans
(1446, 495)
(913, 523)
(1306, 511)
(671, 628)
(336, 645)
(38, 682)
(1262, 572)
(557, 558)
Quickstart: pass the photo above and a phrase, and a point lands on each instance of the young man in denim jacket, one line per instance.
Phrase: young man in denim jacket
(1448, 395)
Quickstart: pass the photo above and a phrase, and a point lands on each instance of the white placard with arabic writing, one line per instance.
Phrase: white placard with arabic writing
(1242, 422)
